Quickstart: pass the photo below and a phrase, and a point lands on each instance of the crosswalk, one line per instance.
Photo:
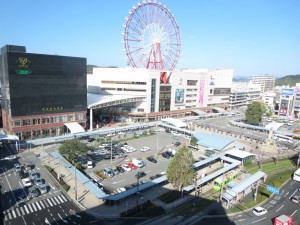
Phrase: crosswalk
(34, 207)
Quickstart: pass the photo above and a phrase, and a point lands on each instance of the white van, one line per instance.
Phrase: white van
(137, 163)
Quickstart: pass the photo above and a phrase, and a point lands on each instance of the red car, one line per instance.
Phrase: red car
(131, 165)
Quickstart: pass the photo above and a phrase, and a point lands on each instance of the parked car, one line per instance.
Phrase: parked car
(177, 143)
(33, 174)
(38, 181)
(27, 166)
(120, 169)
(259, 211)
(23, 174)
(132, 166)
(296, 198)
(140, 174)
(107, 172)
(122, 189)
(19, 193)
(34, 192)
(137, 163)
(27, 182)
(17, 167)
(166, 155)
(144, 149)
(90, 164)
(43, 189)
(115, 171)
(126, 167)
(151, 159)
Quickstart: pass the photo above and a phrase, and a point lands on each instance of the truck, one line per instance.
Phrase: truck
(283, 220)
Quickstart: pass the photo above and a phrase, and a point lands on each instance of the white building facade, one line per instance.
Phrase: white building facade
(182, 89)
(266, 82)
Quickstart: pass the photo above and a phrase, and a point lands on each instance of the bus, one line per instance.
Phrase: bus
(226, 178)
(284, 138)
(296, 175)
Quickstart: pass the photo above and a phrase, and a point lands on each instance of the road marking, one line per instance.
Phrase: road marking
(279, 208)
(116, 182)
(286, 194)
(50, 203)
(35, 209)
(18, 212)
(294, 212)
(9, 215)
(64, 198)
(46, 204)
(25, 207)
(293, 193)
(14, 214)
(54, 202)
(31, 210)
(60, 199)
(259, 220)
(58, 202)
(22, 211)
(42, 204)
(38, 205)
(241, 219)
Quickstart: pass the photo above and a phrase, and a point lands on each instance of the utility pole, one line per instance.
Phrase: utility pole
(75, 183)
(196, 188)
(111, 150)
(137, 189)
(58, 175)
(222, 187)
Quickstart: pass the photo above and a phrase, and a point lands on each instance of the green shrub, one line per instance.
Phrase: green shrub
(48, 168)
(65, 187)
(78, 165)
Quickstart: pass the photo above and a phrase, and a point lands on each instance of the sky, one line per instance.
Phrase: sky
(252, 37)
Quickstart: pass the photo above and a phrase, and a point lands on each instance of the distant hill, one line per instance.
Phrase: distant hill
(290, 80)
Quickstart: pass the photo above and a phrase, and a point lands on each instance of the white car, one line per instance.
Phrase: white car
(119, 190)
(11, 157)
(27, 182)
(144, 149)
(175, 133)
(90, 165)
(132, 149)
(126, 167)
(259, 211)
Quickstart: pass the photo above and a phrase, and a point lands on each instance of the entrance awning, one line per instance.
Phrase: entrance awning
(74, 127)
(8, 137)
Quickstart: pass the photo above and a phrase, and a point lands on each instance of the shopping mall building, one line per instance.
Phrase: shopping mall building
(142, 95)
(42, 94)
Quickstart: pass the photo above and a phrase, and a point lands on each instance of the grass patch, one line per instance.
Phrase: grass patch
(48, 168)
(190, 208)
(62, 183)
(270, 166)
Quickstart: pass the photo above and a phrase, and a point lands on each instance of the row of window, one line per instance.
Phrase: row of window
(47, 120)
(123, 82)
(122, 89)
(191, 82)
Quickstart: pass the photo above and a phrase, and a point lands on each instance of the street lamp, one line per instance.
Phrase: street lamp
(137, 188)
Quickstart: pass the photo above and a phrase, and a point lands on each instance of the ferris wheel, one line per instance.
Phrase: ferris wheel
(151, 37)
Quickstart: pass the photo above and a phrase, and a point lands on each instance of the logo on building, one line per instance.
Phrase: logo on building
(23, 64)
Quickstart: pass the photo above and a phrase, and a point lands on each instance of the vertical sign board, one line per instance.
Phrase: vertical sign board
(201, 90)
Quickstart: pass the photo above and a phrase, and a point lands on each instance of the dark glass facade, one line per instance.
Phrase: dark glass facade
(39, 84)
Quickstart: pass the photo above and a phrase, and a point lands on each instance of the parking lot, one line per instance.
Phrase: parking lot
(155, 145)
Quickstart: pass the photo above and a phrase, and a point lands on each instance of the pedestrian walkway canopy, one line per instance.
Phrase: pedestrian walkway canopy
(199, 112)
(74, 127)
(273, 126)
(242, 186)
(214, 141)
(240, 155)
(8, 137)
(174, 122)
(219, 110)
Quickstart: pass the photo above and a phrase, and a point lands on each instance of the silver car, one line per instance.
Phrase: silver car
(43, 189)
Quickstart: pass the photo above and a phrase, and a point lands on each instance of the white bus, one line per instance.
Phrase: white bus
(296, 175)
(284, 138)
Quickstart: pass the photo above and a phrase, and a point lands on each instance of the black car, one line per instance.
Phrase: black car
(177, 143)
(120, 169)
(91, 139)
(166, 155)
(23, 174)
(140, 174)
(151, 159)
(19, 193)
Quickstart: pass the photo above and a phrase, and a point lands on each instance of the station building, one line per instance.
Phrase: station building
(141, 95)
(41, 94)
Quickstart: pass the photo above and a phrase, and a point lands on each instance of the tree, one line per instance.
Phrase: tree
(193, 141)
(73, 148)
(255, 112)
(180, 171)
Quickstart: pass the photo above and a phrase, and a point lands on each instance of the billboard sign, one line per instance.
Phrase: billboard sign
(201, 92)
(287, 91)
(179, 96)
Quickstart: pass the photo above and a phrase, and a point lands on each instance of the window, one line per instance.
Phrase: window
(45, 120)
(191, 82)
(17, 123)
(36, 121)
(71, 117)
(79, 117)
(55, 119)
(26, 122)
(63, 118)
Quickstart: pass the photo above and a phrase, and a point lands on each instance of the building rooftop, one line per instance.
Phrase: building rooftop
(214, 141)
